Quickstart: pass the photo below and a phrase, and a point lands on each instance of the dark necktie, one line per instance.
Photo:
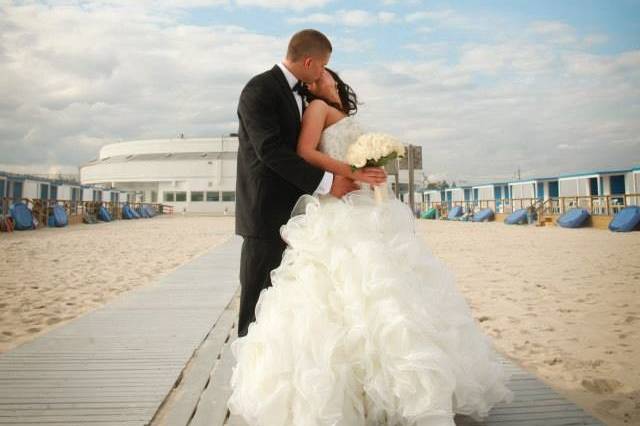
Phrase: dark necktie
(299, 89)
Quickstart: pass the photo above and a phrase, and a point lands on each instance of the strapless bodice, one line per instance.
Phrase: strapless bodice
(336, 138)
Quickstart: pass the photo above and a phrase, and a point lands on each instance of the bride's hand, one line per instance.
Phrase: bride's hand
(370, 175)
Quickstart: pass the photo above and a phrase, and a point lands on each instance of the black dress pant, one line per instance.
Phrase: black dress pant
(257, 259)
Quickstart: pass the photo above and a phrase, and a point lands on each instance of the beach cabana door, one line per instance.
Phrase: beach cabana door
(553, 189)
(2, 189)
(44, 191)
(16, 191)
(617, 185)
(593, 186)
(617, 188)
(498, 197)
(540, 191)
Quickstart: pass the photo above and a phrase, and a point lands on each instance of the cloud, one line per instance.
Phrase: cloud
(284, 4)
(595, 40)
(349, 18)
(557, 32)
(76, 78)
(539, 111)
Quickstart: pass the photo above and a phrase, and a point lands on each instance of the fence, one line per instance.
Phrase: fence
(75, 210)
(597, 205)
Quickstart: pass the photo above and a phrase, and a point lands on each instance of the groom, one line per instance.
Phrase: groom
(270, 175)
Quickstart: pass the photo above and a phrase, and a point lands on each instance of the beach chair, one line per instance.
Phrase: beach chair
(455, 213)
(519, 217)
(22, 217)
(484, 215)
(58, 218)
(626, 220)
(574, 218)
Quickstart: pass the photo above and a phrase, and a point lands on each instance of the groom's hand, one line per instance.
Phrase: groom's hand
(341, 186)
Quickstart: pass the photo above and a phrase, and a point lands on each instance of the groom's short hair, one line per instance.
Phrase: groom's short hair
(308, 43)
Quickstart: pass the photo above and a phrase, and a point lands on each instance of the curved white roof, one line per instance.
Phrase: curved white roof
(169, 146)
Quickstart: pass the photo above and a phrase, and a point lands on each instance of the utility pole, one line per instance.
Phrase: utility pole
(411, 183)
(397, 177)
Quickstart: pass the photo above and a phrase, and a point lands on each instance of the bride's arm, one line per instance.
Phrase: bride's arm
(313, 122)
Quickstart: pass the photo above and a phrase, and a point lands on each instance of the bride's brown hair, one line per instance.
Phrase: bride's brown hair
(348, 97)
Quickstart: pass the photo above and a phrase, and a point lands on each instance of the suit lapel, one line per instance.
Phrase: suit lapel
(284, 85)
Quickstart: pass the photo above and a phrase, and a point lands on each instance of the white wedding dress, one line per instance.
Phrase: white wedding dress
(362, 325)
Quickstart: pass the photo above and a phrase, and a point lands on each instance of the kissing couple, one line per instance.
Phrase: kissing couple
(346, 318)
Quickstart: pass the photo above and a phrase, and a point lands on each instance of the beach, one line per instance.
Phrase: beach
(52, 275)
(562, 303)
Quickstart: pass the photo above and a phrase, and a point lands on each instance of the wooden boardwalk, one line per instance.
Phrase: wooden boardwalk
(116, 365)
(133, 362)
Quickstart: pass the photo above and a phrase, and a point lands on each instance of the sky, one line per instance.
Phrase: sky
(485, 87)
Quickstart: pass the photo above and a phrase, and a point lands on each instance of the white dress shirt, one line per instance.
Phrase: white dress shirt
(327, 179)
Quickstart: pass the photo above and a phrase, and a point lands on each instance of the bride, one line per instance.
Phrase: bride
(362, 324)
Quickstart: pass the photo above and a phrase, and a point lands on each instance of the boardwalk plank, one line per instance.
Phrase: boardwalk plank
(212, 407)
(185, 398)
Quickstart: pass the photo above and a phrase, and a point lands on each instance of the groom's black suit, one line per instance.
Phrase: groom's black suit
(270, 179)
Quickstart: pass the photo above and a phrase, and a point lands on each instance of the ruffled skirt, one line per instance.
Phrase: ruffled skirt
(362, 326)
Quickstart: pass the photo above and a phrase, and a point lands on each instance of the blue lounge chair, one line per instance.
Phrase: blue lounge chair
(58, 218)
(455, 213)
(574, 218)
(22, 217)
(519, 217)
(484, 215)
(626, 220)
(104, 215)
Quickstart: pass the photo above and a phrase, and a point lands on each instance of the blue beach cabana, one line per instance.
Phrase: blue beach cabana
(494, 196)
(591, 188)
(458, 196)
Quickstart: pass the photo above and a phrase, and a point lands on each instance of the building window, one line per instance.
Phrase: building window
(228, 196)
(213, 196)
(44, 191)
(154, 197)
(16, 190)
(197, 196)
(169, 197)
(76, 194)
(181, 196)
(54, 192)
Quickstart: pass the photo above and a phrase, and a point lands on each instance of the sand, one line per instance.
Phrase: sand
(562, 303)
(52, 275)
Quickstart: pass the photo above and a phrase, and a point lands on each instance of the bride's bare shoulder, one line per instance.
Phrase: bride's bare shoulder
(317, 105)
(330, 113)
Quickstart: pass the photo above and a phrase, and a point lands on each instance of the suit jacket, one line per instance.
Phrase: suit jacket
(270, 175)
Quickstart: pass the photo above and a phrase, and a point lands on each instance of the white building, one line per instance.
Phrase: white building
(18, 187)
(192, 175)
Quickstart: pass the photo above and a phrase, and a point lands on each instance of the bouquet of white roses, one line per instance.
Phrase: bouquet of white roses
(374, 150)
